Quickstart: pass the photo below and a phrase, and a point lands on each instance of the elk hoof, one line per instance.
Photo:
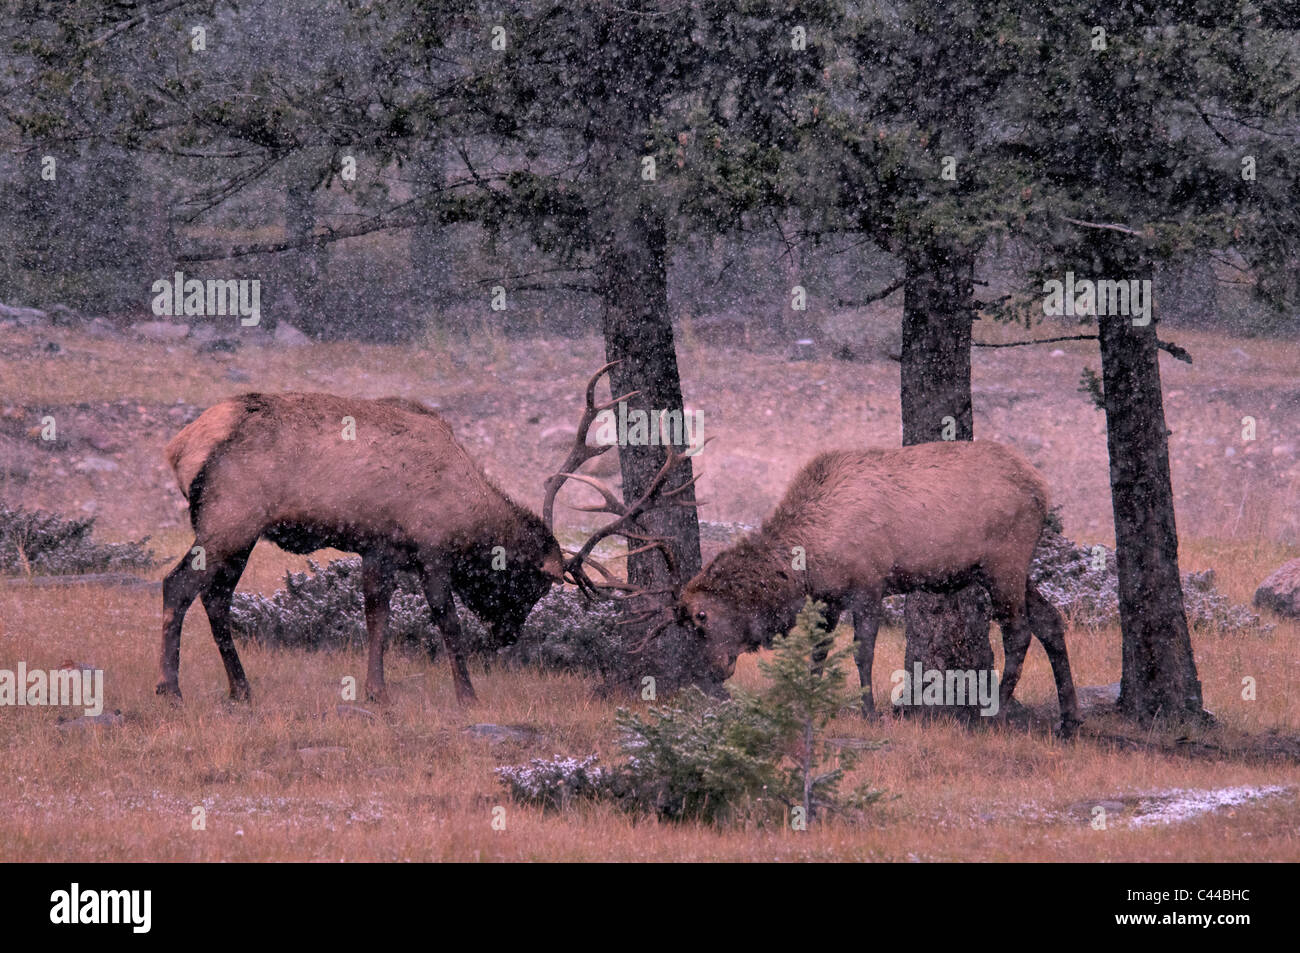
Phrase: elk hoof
(377, 694)
(241, 693)
(465, 696)
(168, 690)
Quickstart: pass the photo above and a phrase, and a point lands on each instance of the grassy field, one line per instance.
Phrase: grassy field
(295, 778)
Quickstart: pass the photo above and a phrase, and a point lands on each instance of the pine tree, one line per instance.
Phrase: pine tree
(807, 689)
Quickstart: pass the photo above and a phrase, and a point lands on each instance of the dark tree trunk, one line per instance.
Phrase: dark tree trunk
(1159, 673)
(305, 264)
(944, 632)
(432, 257)
(639, 332)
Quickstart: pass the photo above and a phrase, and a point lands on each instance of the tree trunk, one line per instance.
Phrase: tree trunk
(639, 332)
(944, 632)
(1159, 673)
(432, 255)
(306, 265)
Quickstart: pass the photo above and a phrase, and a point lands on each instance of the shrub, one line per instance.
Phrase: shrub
(37, 542)
(700, 760)
(1068, 575)
(753, 757)
(555, 783)
(324, 609)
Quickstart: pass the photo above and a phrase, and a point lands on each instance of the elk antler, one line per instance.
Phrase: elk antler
(581, 451)
(654, 497)
(626, 525)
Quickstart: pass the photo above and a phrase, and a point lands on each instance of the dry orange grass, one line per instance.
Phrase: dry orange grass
(409, 783)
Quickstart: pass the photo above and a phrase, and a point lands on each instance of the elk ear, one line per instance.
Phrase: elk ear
(553, 567)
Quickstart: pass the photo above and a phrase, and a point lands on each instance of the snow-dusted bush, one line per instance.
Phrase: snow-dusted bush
(324, 608)
(33, 541)
(1086, 589)
(555, 783)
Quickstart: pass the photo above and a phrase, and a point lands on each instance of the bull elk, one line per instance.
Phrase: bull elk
(404, 494)
(934, 517)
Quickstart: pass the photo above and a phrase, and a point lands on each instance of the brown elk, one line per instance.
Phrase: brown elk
(402, 493)
(873, 523)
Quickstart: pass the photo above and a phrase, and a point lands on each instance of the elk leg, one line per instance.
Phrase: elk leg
(1046, 622)
(817, 657)
(1016, 636)
(180, 587)
(377, 586)
(437, 589)
(866, 623)
(216, 602)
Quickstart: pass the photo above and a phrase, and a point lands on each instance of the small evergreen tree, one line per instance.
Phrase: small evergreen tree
(755, 752)
(807, 688)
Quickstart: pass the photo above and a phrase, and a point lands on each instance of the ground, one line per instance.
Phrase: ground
(297, 777)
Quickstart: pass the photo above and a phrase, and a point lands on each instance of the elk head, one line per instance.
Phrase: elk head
(726, 630)
(628, 518)
(504, 599)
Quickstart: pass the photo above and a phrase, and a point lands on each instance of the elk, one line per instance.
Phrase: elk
(873, 523)
(402, 493)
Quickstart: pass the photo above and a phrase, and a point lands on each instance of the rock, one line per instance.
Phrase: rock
(108, 719)
(499, 733)
(286, 335)
(804, 349)
(1281, 591)
(27, 317)
(96, 465)
(218, 345)
(104, 443)
(99, 328)
(161, 330)
(317, 756)
(1096, 697)
(354, 711)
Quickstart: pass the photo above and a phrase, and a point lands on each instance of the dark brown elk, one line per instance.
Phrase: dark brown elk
(402, 493)
(873, 523)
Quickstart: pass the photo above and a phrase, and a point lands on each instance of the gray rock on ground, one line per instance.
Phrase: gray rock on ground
(1281, 591)
(286, 335)
(161, 330)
